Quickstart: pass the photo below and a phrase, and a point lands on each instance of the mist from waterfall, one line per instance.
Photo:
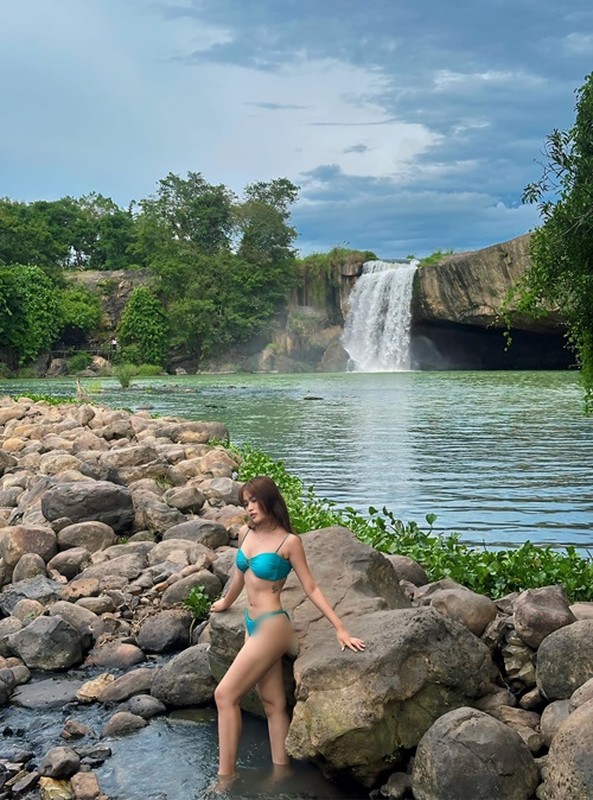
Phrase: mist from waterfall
(377, 329)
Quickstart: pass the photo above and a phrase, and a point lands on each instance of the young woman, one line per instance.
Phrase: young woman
(268, 551)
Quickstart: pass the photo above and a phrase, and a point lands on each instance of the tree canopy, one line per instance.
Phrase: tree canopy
(561, 271)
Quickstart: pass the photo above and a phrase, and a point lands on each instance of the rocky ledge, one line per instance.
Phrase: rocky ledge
(109, 518)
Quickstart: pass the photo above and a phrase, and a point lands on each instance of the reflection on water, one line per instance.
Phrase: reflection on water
(499, 456)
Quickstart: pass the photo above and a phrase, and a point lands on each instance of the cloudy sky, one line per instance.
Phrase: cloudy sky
(410, 125)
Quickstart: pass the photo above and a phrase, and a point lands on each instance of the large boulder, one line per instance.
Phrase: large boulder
(186, 680)
(39, 588)
(539, 612)
(47, 643)
(565, 660)
(99, 501)
(21, 539)
(468, 754)
(569, 768)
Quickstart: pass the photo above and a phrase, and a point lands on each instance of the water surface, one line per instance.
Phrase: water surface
(499, 456)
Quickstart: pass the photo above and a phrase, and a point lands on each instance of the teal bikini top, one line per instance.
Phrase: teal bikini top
(267, 566)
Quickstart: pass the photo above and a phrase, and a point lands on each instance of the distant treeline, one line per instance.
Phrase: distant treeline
(219, 268)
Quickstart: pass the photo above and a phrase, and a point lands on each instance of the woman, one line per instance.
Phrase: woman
(268, 551)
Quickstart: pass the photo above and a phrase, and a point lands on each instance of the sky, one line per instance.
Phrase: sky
(409, 125)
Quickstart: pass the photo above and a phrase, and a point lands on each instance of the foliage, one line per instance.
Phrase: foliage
(81, 312)
(490, 572)
(435, 258)
(32, 316)
(79, 361)
(148, 370)
(124, 373)
(198, 602)
(144, 323)
(561, 272)
(49, 399)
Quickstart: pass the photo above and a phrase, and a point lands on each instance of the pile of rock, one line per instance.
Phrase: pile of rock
(109, 518)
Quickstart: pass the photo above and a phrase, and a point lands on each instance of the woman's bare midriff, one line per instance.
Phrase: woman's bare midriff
(262, 595)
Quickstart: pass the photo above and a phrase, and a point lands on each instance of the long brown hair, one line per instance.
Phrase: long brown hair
(268, 496)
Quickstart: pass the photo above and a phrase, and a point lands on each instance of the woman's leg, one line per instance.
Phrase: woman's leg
(253, 661)
(273, 696)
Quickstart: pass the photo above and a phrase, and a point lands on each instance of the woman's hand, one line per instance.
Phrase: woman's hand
(219, 605)
(350, 642)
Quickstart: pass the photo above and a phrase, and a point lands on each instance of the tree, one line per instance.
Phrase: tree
(144, 327)
(81, 313)
(33, 314)
(561, 270)
(193, 210)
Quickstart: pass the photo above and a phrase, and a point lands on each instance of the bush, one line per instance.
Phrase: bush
(124, 373)
(79, 362)
(5, 371)
(146, 370)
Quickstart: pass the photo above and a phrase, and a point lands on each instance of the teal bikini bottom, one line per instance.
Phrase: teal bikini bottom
(253, 624)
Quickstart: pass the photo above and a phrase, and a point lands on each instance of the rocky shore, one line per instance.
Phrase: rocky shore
(109, 518)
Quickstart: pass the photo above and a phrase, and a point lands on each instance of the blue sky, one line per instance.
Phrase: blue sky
(410, 125)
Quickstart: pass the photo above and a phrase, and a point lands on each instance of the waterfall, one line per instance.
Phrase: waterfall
(377, 328)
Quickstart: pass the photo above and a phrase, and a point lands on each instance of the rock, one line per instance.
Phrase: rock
(467, 753)
(91, 690)
(92, 536)
(582, 695)
(197, 554)
(75, 730)
(187, 499)
(22, 539)
(186, 680)
(165, 631)
(582, 610)
(88, 625)
(70, 563)
(468, 608)
(203, 531)
(359, 711)
(39, 588)
(565, 660)
(153, 513)
(518, 659)
(97, 501)
(552, 718)
(145, 706)
(407, 569)
(59, 762)
(178, 591)
(29, 565)
(115, 655)
(126, 686)
(123, 722)
(8, 625)
(126, 566)
(85, 786)
(27, 610)
(47, 643)
(539, 612)
(569, 766)
(221, 491)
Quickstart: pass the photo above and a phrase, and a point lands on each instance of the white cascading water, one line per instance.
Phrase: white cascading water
(377, 328)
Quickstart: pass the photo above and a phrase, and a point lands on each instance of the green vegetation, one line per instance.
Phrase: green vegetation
(435, 257)
(143, 330)
(561, 271)
(79, 362)
(198, 602)
(124, 373)
(490, 572)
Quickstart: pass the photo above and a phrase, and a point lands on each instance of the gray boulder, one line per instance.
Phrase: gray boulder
(145, 706)
(569, 767)
(60, 762)
(468, 754)
(138, 681)
(565, 660)
(70, 563)
(203, 531)
(48, 643)
(29, 566)
(539, 612)
(123, 722)
(186, 680)
(93, 536)
(165, 631)
(99, 501)
(38, 588)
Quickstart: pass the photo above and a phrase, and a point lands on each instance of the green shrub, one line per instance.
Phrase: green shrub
(198, 602)
(124, 373)
(79, 362)
(147, 370)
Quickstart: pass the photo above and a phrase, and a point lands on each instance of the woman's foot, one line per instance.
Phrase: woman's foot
(223, 783)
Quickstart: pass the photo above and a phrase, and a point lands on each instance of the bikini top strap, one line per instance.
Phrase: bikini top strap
(242, 542)
(282, 542)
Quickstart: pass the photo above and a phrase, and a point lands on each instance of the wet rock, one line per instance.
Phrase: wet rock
(59, 762)
(115, 655)
(145, 706)
(85, 786)
(186, 680)
(54, 789)
(123, 722)
(46, 694)
(138, 681)
(75, 730)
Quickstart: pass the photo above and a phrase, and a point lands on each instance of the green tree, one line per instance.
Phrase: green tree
(81, 312)
(33, 314)
(561, 271)
(144, 326)
(191, 209)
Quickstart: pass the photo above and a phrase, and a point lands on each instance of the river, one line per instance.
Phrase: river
(500, 457)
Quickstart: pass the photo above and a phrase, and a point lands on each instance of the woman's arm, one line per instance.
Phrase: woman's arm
(298, 560)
